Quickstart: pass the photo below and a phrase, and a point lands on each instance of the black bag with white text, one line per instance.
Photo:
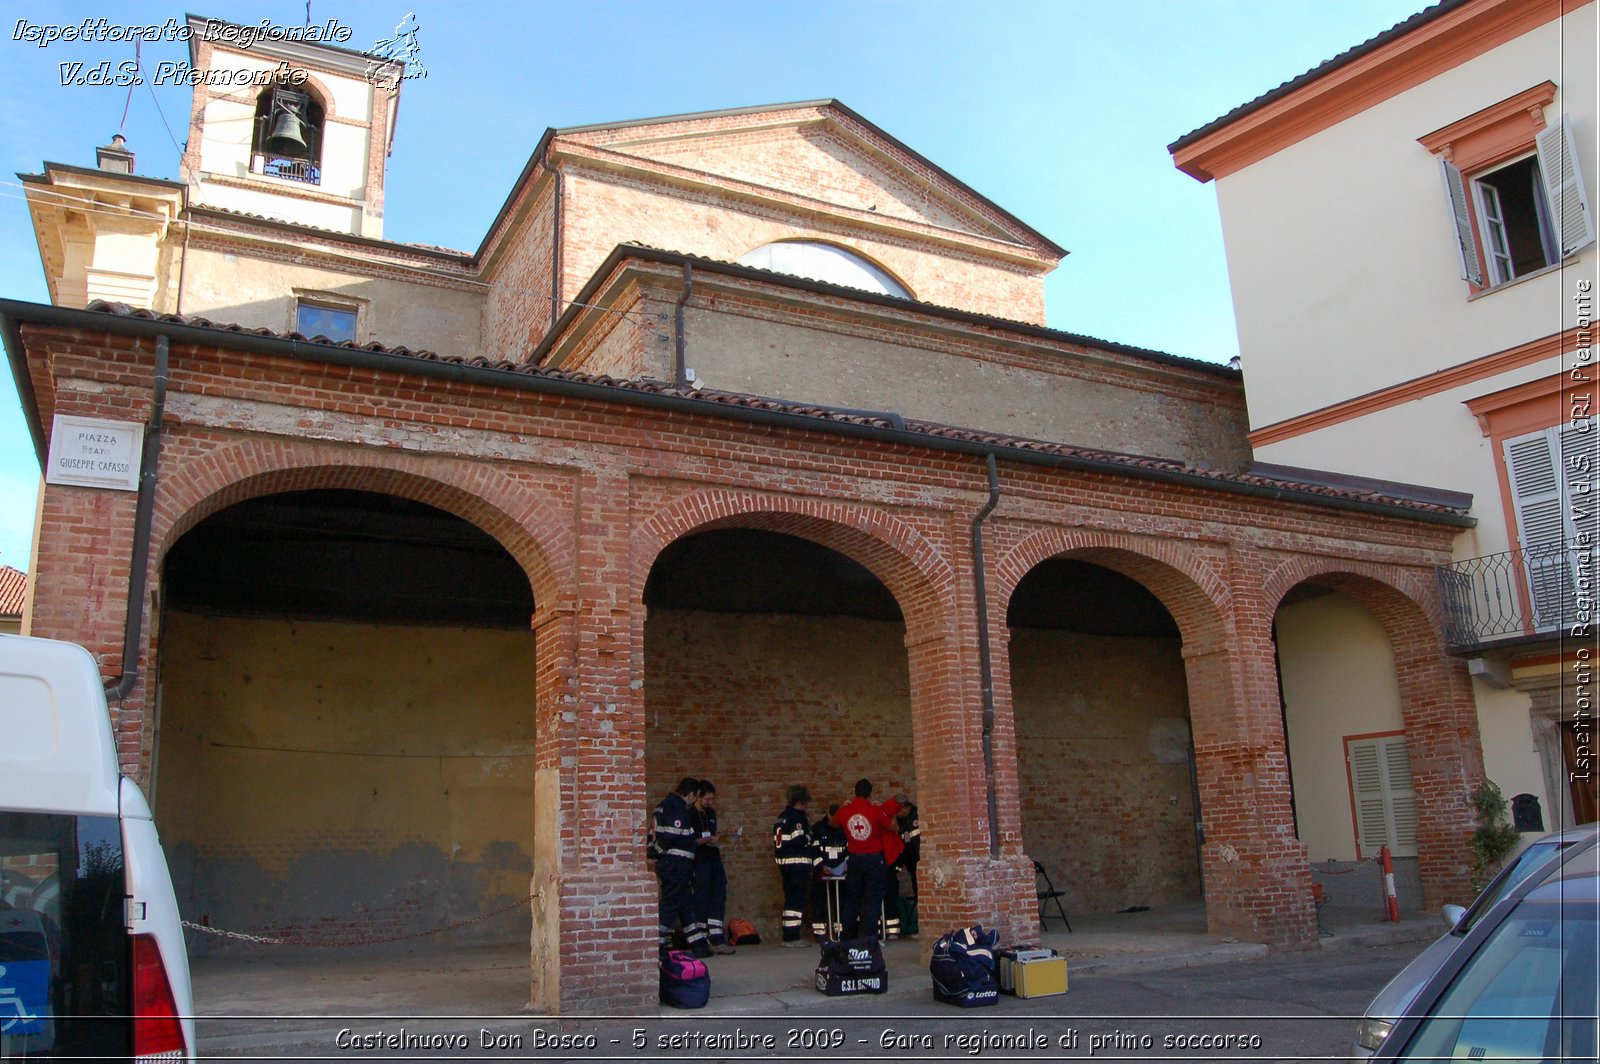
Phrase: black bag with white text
(853, 967)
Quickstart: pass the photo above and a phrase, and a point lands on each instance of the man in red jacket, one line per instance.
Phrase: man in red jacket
(873, 844)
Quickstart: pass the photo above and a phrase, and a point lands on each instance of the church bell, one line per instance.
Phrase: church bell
(287, 137)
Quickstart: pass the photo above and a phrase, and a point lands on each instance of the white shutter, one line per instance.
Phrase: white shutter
(1535, 488)
(1563, 186)
(1552, 486)
(1402, 797)
(1386, 804)
(1455, 191)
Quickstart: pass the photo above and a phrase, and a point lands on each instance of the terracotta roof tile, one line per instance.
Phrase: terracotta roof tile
(13, 588)
(1399, 29)
(1132, 462)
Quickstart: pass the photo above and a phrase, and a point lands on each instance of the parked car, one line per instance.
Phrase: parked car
(1395, 998)
(92, 960)
(1524, 984)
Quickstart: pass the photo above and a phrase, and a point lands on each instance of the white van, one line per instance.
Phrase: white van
(92, 960)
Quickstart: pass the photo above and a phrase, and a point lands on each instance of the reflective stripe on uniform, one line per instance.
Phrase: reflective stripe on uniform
(793, 860)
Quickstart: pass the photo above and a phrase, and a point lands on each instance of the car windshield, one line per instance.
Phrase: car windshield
(1528, 993)
(1513, 873)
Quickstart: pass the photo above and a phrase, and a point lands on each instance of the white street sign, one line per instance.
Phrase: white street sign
(92, 453)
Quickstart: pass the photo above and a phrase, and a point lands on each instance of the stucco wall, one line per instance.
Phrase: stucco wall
(1033, 395)
(1102, 729)
(346, 782)
(1434, 440)
(1340, 247)
(1337, 669)
(757, 702)
(1510, 757)
(240, 289)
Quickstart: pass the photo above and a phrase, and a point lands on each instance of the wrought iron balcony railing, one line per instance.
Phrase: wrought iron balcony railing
(1542, 590)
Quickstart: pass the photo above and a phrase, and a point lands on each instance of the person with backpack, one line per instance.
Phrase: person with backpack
(710, 884)
(674, 837)
(873, 844)
(793, 850)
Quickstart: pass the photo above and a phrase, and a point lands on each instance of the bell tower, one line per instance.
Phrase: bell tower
(289, 129)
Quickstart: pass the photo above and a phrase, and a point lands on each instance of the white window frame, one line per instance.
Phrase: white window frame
(1491, 222)
(1383, 799)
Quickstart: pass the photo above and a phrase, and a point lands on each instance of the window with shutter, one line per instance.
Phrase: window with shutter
(1382, 795)
(1551, 473)
(1563, 187)
(1514, 188)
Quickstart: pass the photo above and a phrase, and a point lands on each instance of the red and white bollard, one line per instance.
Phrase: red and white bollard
(1391, 902)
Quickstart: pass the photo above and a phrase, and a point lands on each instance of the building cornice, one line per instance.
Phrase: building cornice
(1435, 41)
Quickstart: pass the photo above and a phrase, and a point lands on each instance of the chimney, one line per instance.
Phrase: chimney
(115, 157)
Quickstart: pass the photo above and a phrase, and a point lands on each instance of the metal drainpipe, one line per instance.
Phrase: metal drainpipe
(555, 248)
(117, 689)
(680, 369)
(985, 659)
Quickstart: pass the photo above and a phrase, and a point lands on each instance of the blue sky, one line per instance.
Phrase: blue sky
(1058, 110)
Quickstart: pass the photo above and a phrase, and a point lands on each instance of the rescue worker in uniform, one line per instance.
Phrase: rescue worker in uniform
(674, 836)
(710, 878)
(830, 863)
(793, 850)
(911, 835)
(873, 844)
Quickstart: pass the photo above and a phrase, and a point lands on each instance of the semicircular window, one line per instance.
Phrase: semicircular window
(823, 262)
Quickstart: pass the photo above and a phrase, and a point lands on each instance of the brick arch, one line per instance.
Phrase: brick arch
(312, 84)
(1436, 705)
(1194, 593)
(921, 580)
(521, 521)
(1403, 599)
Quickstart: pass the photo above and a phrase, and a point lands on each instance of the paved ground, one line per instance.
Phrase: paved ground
(1132, 977)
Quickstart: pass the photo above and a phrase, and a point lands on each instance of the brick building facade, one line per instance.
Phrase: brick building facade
(422, 629)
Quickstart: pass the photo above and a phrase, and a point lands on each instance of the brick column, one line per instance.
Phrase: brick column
(1257, 875)
(594, 938)
(1441, 721)
(961, 883)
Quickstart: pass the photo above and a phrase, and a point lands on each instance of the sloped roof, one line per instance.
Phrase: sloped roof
(1327, 66)
(708, 401)
(13, 589)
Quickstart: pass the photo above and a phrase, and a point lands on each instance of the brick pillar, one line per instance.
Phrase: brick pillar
(81, 559)
(961, 883)
(1256, 872)
(594, 938)
(1441, 721)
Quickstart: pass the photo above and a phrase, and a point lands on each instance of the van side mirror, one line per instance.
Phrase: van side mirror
(1453, 914)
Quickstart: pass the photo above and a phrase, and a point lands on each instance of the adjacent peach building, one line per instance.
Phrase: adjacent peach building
(1411, 243)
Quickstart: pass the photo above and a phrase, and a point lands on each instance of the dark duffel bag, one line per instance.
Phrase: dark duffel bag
(963, 968)
(685, 982)
(853, 967)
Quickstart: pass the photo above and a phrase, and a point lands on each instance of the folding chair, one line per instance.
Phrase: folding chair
(1048, 893)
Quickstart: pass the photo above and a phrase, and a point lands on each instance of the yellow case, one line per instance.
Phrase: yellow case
(1040, 978)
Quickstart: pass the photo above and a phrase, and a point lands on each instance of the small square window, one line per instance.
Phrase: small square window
(336, 323)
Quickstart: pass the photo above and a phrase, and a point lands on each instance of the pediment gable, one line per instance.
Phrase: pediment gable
(818, 152)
